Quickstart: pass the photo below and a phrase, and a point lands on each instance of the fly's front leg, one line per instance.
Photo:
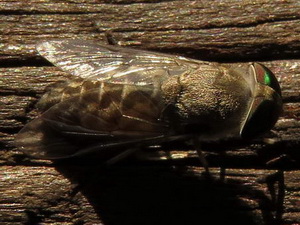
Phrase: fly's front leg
(280, 196)
(283, 161)
(277, 197)
(111, 40)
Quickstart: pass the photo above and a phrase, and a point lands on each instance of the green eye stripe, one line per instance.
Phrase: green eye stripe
(267, 78)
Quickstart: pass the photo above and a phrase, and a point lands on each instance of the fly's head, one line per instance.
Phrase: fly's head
(266, 102)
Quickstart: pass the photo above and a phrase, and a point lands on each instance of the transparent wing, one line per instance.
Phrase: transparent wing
(86, 121)
(90, 60)
(79, 124)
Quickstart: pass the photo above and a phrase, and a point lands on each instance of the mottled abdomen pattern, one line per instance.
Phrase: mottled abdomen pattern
(118, 109)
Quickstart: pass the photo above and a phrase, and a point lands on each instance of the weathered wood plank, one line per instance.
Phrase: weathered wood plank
(147, 191)
(30, 195)
(148, 195)
(226, 31)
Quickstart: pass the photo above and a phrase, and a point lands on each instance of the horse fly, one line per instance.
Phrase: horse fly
(121, 99)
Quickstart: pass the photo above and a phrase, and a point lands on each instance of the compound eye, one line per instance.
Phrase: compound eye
(266, 105)
(265, 76)
(262, 118)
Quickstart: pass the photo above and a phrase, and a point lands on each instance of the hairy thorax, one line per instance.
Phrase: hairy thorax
(209, 100)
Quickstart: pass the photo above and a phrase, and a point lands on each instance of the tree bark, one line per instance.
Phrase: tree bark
(167, 186)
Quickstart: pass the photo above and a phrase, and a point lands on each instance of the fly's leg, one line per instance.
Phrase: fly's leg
(222, 168)
(280, 196)
(121, 156)
(203, 160)
(205, 163)
(283, 161)
(277, 198)
(110, 38)
(202, 157)
(137, 147)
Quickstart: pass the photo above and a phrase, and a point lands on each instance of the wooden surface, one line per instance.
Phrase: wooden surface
(157, 189)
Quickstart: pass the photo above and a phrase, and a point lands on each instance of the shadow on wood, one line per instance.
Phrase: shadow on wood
(160, 195)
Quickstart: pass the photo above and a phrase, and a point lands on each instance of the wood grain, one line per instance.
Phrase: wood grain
(166, 186)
